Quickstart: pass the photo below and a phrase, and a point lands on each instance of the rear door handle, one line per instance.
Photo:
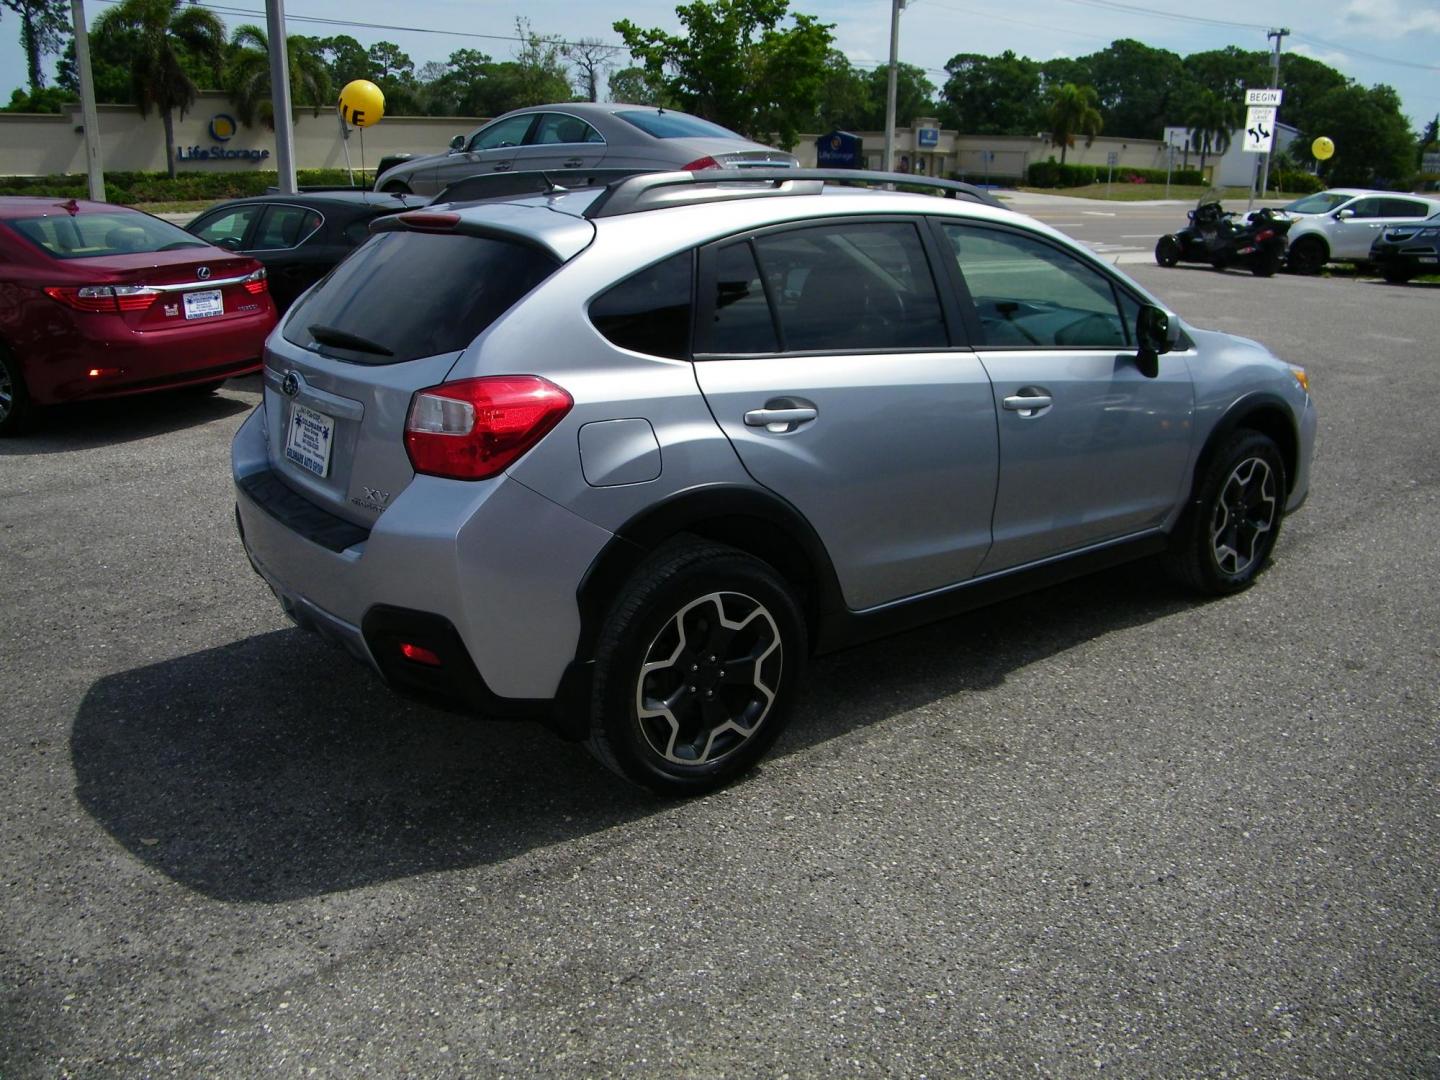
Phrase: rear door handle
(780, 421)
(502, 166)
(573, 163)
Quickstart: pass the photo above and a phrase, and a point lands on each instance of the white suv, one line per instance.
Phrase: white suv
(1340, 225)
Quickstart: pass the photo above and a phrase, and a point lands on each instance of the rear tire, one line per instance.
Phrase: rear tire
(1396, 275)
(1225, 537)
(1308, 256)
(1265, 265)
(696, 668)
(1167, 250)
(15, 409)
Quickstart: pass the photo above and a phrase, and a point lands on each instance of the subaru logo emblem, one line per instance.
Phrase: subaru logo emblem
(290, 384)
(202, 272)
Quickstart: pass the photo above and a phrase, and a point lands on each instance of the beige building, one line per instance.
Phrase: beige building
(208, 137)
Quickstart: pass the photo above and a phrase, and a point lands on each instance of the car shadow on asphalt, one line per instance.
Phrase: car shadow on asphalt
(61, 429)
(277, 768)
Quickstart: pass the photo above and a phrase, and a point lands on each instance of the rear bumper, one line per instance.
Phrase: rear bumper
(492, 563)
(134, 362)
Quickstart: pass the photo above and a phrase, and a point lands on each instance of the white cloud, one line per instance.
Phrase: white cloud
(1389, 19)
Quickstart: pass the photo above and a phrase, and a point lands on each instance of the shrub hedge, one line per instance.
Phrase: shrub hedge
(1051, 174)
(1296, 182)
(141, 187)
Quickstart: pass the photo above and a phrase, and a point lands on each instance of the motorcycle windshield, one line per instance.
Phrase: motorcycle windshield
(1213, 195)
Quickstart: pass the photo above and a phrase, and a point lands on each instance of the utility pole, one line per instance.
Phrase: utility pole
(1279, 36)
(895, 8)
(280, 96)
(88, 114)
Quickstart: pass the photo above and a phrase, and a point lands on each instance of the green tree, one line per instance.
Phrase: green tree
(1073, 111)
(845, 97)
(1227, 72)
(993, 95)
(914, 96)
(1211, 118)
(156, 35)
(346, 58)
(1136, 86)
(1374, 146)
(1305, 82)
(538, 74)
(735, 65)
(634, 86)
(49, 99)
(247, 75)
(44, 25)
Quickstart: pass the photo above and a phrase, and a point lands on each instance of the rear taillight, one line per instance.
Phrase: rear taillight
(706, 162)
(473, 429)
(256, 283)
(1261, 237)
(108, 299)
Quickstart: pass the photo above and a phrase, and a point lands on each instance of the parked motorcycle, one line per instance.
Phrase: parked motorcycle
(1215, 236)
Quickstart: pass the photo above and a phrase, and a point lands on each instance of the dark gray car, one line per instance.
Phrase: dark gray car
(582, 136)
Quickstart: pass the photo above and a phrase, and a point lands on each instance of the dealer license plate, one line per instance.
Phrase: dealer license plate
(204, 305)
(308, 440)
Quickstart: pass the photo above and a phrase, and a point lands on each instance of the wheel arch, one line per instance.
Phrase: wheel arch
(1270, 416)
(756, 522)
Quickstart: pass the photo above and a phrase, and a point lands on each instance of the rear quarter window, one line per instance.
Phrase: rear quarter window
(649, 312)
(413, 294)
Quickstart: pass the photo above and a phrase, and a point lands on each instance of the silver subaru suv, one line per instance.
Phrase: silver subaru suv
(622, 458)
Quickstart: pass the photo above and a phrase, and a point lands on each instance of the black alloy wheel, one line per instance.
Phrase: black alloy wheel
(695, 668)
(14, 399)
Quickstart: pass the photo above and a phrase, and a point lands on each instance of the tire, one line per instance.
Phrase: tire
(1219, 262)
(1308, 256)
(695, 611)
(15, 409)
(1225, 538)
(1167, 251)
(1265, 265)
(1395, 275)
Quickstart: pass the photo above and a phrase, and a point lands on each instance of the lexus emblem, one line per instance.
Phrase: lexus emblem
(290, 384)
(203, 273)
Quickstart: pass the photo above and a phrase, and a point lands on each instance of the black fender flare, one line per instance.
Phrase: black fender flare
(1263, 411)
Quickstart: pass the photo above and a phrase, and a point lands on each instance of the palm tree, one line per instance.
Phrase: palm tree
(1073, 111)
(1211, 119)
(247, 75)
(156, 33)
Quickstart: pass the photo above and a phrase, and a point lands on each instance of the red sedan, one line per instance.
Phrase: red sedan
(99, 301)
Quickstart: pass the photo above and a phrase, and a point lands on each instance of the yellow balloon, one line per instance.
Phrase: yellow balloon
(1323, 148)
(361, 103)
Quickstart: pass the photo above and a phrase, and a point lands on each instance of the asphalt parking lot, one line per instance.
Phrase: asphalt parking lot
(1102, 829)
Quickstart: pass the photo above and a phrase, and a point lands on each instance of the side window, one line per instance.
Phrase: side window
(505, 133)
(227, 228)
(742, 321)
(649, 312)
(1367, 208)
(847, 287)
(559, 128)
(1028, 293)
(1403, 208)
(284, 227)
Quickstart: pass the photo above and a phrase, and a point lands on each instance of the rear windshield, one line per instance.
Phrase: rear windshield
(93, 235)
(1321, 203)
(404, 295)
(670, 125)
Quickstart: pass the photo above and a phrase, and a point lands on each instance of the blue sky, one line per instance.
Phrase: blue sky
(1390, 41)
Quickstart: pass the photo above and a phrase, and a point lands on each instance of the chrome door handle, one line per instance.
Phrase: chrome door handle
(502, 166)
(780, 420)
(573, 163)
(1028, 404)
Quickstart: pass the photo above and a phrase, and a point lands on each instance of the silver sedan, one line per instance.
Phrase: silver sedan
(583, 135)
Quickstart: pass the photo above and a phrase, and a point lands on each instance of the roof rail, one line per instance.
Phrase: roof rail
(503, 185)
(649, 191)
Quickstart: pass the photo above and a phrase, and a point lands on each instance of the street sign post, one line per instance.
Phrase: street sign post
(1111, 160)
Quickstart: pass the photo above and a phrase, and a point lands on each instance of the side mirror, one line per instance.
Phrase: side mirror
(1154, 337)
(1344, 215)
(457, 144)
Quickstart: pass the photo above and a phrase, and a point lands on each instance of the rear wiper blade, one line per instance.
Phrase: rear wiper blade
(329, 335)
